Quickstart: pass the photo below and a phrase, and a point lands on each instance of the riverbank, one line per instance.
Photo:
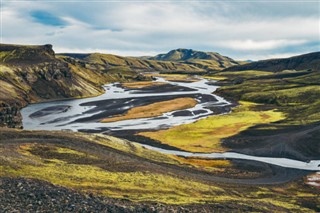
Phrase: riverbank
(191, 129)
(117, 101)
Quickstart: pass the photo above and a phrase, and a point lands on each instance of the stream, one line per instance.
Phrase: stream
(85, 114)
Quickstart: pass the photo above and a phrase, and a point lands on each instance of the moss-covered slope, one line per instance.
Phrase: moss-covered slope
(33, 73)
(294, 93)
(204, 60)
(114, 62)
(113, 168)
(301, 62)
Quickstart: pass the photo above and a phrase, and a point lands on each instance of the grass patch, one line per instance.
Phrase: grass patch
(243, 74)
(155, 109)
(59, 153)
(175, 77)
(143, 84)
(205, 164)
(205, 135)
(297, 96)
(217, 78)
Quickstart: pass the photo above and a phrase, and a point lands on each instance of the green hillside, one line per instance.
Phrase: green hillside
(109, 61)
(204, 60)
(33, 73)
(301, 62)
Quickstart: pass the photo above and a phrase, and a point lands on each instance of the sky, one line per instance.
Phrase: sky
(242, 30)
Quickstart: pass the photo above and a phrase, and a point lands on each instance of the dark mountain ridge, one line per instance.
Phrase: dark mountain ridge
(134, 64)
(300, 62)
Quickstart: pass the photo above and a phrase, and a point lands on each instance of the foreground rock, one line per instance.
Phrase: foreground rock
(29, 195)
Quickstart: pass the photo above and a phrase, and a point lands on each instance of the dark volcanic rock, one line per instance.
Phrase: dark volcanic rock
(24, 195)
(29, 195)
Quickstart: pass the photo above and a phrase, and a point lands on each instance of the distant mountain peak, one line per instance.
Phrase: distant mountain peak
(207, 60)
(183, 54)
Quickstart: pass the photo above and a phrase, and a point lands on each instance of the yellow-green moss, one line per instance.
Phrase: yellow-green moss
(154, 109)
(205, 135)
(132, 185)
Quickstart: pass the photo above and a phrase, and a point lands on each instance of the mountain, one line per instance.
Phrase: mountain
(301, 62)
(189, 54)
(34, 73)
(204, 60)
(110, 61)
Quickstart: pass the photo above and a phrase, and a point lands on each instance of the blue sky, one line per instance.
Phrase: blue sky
(239, 29)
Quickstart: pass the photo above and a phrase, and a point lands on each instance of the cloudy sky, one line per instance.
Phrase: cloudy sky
(239, 29)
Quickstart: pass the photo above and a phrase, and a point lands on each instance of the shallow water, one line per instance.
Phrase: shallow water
(283, 162)
(48, 119)
(67, 120)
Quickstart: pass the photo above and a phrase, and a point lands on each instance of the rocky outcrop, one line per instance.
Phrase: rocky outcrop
(10, 115)
(28, 54)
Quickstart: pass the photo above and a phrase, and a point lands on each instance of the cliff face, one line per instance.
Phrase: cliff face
(33, 73)
(26, 54)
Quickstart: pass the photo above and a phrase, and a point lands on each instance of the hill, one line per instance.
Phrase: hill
(204, 60)
(18, 54)
(301, 62)
(33, 73)
(292, 92)
(54, 170)
(110, 61)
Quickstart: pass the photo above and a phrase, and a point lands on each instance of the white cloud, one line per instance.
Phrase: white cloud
(260, 45)
(106, 51)
(269, 56)
(132, 28)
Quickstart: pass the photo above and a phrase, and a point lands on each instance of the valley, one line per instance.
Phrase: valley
(160, 133)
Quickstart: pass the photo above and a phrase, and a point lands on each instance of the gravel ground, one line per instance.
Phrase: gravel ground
(24, 195)
(30, 195)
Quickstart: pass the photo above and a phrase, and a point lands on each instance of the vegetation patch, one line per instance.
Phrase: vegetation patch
(176, 77)
(155, 109)
(243, 74)
(297, 96)
(205, 135)
(142, 84)
(217, 78)
(58, 153)
(136, 64)
(205, 164)
(137, 186)
(131, 147)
